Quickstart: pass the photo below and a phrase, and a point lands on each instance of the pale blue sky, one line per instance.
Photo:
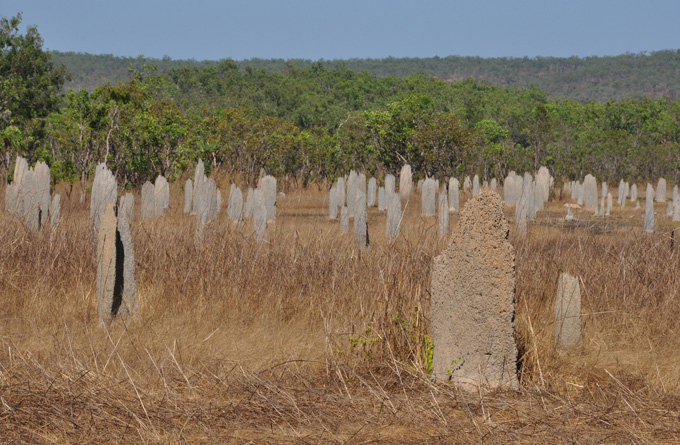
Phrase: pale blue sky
(314, 29)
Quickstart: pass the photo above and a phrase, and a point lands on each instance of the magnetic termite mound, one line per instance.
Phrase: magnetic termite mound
(116, 285)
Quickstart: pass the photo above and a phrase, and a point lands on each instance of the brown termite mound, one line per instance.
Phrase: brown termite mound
(473, 300)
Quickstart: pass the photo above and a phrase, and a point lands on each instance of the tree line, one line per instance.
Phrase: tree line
(315, 123)
(638, 75)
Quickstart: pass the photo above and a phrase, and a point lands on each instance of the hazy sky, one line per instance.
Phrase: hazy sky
(314, 29)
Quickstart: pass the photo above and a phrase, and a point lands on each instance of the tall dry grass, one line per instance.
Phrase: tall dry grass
(308, 338)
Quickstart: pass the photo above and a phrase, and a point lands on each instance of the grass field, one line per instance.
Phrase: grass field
(310, 339)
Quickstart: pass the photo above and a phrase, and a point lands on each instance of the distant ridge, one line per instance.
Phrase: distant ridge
(655, 74)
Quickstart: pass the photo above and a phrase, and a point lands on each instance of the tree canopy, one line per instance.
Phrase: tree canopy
(315, 122)
(30, 82)
(631, 75)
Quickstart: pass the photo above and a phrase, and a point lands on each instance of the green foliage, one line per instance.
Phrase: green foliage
(29, 87)
(600, 78)
(492, 131)
(364, 343)
(316, 121)
(454, 366)
(29, 80)
(303, 125)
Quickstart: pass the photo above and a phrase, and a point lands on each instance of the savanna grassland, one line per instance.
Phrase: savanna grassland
(309, 339)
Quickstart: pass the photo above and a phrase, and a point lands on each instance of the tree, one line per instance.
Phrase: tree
(444, 145)
(541, 130)
(29, 82)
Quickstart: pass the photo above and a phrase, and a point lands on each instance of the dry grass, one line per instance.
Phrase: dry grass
(309, 339)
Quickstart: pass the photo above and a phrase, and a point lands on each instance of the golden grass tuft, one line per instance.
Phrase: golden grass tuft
(308, 338)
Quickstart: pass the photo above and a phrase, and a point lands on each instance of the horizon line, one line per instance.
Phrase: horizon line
(646, 53)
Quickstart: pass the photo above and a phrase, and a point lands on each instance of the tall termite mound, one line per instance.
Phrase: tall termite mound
(473, 299)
